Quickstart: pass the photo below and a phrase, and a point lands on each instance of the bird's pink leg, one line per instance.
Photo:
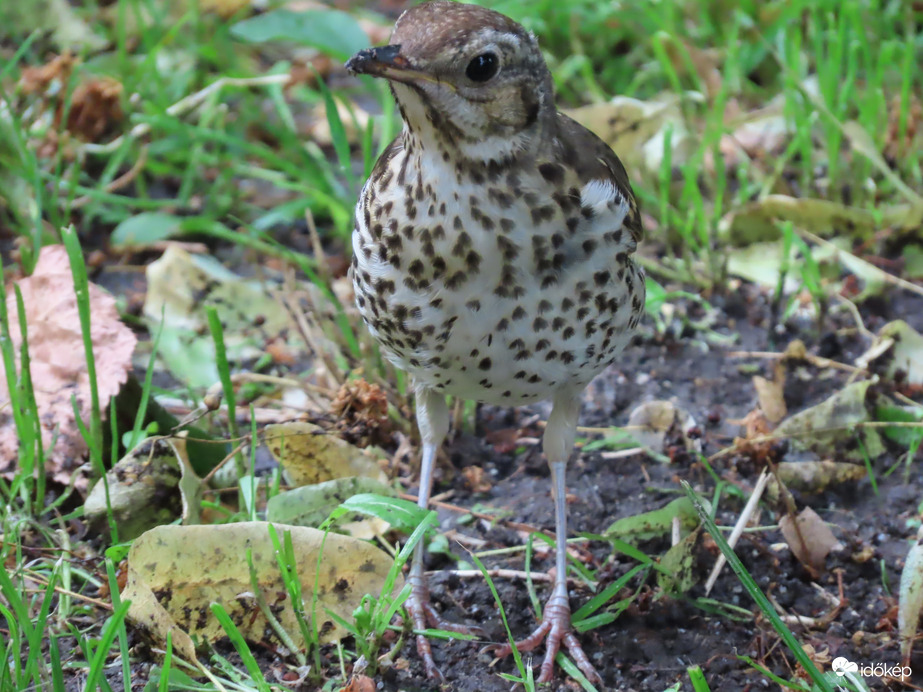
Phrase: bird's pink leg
(433, 421)
(555, 628)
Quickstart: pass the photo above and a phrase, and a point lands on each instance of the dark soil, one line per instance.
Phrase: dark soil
(649, 647)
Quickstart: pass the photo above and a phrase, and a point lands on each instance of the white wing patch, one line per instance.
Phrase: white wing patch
(598, 194)
(606, 200)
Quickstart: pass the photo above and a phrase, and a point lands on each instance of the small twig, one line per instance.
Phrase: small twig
(323, 270)
(885, 276)
(496, 573)
(742, 522)
(623, 453)
(477, 515)
(817, 361)
(230, 456)
(854, 311)
(119, 182)
(66, 592)
(307, 327)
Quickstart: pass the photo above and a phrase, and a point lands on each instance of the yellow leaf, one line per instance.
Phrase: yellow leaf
(175, 573)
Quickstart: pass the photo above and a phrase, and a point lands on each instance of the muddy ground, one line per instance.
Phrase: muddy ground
(649, 647)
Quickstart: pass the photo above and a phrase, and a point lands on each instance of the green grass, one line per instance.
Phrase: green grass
(215, 147)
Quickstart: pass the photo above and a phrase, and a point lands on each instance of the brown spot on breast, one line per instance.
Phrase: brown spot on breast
(456, 280)
(507, 247)
(484, 364)
(552, 172)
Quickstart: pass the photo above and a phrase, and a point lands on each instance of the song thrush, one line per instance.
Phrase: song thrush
(492, 252)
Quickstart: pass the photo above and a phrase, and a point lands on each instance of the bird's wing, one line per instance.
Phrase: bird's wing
(602, 177)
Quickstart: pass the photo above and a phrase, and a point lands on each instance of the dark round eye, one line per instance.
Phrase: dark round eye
(483, 67)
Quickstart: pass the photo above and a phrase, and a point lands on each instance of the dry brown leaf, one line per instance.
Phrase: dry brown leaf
(810, 539)
(772, 402)
(817, 476)
(362, 412)
(39, 79)
(895, 147)
(475, 479)
(359, 683)
(771, 394)
(95, 109)
(59, 369)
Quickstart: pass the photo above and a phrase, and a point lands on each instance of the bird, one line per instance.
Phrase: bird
(492, 255)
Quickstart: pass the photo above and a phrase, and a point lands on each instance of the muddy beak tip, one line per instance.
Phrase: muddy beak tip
(374, 61)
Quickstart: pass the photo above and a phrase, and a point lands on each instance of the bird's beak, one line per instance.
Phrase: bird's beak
(384, 61)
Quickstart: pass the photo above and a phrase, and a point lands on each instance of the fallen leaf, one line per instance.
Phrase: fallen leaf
(142, 489)
(761, 263)
(906, 356)
(830, 428)
(175, 574)
(51, 76)
(758, 221)
(330, 31)
(910, 602)
(475, 479)
(58, 361)
(361, 409)
(359, 683)
(654, 524)
(809, 538)
(95, 109)
(55, 17)
(180, 285)
(310, 505)
(895, 147)
(637, 129)
(311, 455)
(681, 562)
(651, 422)
(771, 394)
(816, 476)
(145, 229)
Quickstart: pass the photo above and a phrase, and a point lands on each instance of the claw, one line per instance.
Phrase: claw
(423, 615)
(554, 630)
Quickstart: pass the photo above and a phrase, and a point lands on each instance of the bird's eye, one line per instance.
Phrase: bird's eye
(482, 67)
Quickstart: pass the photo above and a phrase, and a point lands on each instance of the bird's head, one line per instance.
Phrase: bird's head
(466, 78)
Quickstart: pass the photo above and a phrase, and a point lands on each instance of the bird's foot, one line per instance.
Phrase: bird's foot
(423, 615)
(554, 630)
